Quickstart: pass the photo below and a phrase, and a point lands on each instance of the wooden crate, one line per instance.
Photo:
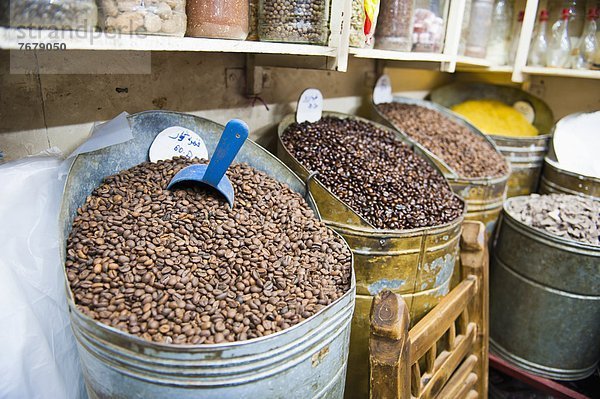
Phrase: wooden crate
(445, 355)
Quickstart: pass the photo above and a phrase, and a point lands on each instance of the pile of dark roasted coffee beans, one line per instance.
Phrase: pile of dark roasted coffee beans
(468, 154)
(378, 176)
(182, 267)
(568, 216)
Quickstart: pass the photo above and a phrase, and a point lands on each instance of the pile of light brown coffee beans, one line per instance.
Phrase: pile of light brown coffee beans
(182, 267)
(374, 173)
(468, 154)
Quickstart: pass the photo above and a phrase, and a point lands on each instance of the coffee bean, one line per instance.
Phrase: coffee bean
(467, 153)
(207, 272)
(374, 173)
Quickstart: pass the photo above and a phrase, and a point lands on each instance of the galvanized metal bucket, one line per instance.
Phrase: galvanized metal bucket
(557, 180)
(525, 154)
(544, 301)
(483, 196)
(307, 360)
(416, 263)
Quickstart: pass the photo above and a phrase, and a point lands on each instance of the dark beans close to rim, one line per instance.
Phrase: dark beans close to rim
(182, 267)
(470, 155)
(375, 174)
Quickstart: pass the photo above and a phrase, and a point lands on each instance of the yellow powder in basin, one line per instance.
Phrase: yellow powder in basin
(495, 117)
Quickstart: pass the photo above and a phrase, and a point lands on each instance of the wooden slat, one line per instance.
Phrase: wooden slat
(459, 379)
(466, 386)
(415, 380)
(389, 347)
(464, 345)
(430, 359)
(438, 321)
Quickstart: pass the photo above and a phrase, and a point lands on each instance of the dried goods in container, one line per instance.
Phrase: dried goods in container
(222, 19)
(363, 22)
(568, 216)
(394, 30)
(374, 173)
(151, 17)
(293, 21)
(467, 153)
(182, 267)
(49, 14)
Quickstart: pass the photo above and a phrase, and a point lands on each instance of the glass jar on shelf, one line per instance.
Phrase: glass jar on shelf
(464, 29)
(499, 41)
(221, 19)
(363, 22)
(293, 21)
(149, 17)
(394, 31)
(428, 26)
(480, 23)
(49, 14)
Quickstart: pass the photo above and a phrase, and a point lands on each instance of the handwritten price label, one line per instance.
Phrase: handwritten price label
(383, 90)
(177, 141)
(310, 106)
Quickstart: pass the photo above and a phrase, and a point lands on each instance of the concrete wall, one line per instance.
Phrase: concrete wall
(42, 111)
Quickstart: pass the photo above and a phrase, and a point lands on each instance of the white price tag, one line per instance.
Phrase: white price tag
(382, 93)
(177, 141)
(526, 110)
(310, 106)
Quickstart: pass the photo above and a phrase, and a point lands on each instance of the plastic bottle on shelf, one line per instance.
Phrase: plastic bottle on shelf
(515, 38)
(559, 47)
(588, 44)
(539, 43)
(499, 41)
(480, 23)
(576, 16)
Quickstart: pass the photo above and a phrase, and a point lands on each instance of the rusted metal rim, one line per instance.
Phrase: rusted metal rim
(364, 230)
(547, 238)
(450, 173)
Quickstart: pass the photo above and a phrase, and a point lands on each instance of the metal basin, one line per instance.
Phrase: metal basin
(557, 180)
(120, 365)
(483, 196)
(544, 301)
(525, 154)
(416, 263)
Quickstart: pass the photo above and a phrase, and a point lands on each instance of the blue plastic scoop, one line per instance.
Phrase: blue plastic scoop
(213, 174)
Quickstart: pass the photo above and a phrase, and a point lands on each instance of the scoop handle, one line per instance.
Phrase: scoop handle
(232, 139)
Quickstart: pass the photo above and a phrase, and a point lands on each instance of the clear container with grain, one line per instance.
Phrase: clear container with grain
(293, 21)
(221, 19)
(478, 31)
(148, 17)
(363, 22)
(429, 26)
(49, 14)
(395, 28)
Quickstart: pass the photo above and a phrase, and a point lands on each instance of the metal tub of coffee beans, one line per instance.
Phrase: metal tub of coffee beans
(483, 196)
(544, 301)
(557, 180)
(306, 360)
(525, 154)
(416, 263)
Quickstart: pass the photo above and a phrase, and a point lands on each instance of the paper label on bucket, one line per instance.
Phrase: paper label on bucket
(177, 141)
(310, 106)
(526, 110)
(382, 93)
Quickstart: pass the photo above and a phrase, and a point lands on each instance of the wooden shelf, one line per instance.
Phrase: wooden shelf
(570, 73)
(399, 55)
(79, 40)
